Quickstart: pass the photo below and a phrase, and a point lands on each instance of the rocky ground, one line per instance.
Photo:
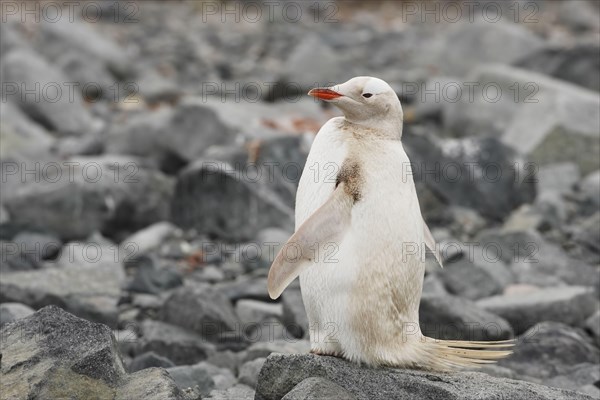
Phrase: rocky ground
(150, 154)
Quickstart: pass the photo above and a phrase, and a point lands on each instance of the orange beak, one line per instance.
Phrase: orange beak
(324, 94)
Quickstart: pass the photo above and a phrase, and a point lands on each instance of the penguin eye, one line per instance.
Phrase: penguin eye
(367, 95)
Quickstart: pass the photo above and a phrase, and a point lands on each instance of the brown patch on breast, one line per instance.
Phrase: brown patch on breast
(350, 175)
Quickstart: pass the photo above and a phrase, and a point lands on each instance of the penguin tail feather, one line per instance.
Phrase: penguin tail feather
(459, 354)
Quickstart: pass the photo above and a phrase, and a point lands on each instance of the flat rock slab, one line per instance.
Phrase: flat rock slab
(281, 373)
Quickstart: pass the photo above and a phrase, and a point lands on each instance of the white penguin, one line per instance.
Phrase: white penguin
(359, 241)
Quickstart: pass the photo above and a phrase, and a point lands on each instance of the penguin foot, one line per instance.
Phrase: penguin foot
(325, 353)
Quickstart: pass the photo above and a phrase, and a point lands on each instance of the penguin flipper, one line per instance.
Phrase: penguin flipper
(327, 224)
(430, 242)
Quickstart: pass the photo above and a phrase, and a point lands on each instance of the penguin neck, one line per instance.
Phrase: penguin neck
(382, 128)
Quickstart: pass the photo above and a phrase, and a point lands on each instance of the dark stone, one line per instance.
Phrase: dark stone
(216, 200)
(479, 173)
(175, 343)
(550, 349)
(569, 304)
(578, 64)
(148, 360)
(452, 318)
(202, 309)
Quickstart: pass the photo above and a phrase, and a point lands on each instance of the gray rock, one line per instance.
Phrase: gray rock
(318, 388)
(560, 177)
(192, 128)
(153, 279)
(577, 64)
(550, 349)
(275, 161)
(464, 278)
(147, 302)
(281, 373)
(452, 318)
(11, 35)
(592, 325)
(40, 246)
(253, 311)
(90, 194)
(68, 357)
(433, 285)
(570, 305)
(151, 384)
(289, 346)
(590, 186)
(13, 260)
(55, 39)
(463, 45)
(500, 372)
(151, 237)
(10, 312)
(214, 199)
(175, 343)
(536, 261)
(478, 173)
(226, 359)
(4, 215)
(312, 64)
(89, 290)
(294, 317)
(203, 375)
(22, 138)
(209, 274)
(268, 243)
(245, 288)
(53, 106)
(249, 372)
(587, 233)
(148, 360)
(155, 87)
(202, 309)
(465, 221)
(237, 392)
(579, 15)
(142, 134)
(570, 116)
(578, 377)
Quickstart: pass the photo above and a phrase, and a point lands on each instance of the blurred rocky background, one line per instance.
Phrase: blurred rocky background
(150, 153)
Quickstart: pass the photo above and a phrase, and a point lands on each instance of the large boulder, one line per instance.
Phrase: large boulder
(453, 318)
(179, 345)
(171, 136)
(534, 260)
(479, 173)
(202, 309)
(546, 119)
(282, 373)
(75, 197)
(44, 93)
(550, 349)
(217, 200)
(461, 46)
(569, 304)
(53, 354)
(578, 64)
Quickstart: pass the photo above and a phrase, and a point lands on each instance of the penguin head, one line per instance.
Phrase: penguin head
(364, 100)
